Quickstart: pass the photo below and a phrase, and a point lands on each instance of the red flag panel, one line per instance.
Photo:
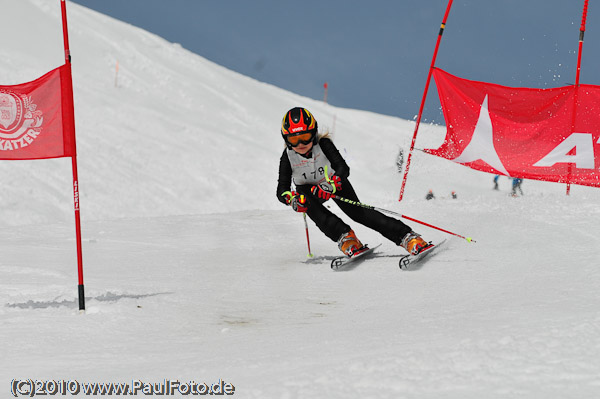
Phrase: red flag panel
(541, 134)
(36, 118)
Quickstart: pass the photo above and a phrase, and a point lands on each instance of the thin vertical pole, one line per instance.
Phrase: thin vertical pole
(310, 255)
(80, 286)
(412, 145)
(578, 73)
(581, 33)
(117, 74)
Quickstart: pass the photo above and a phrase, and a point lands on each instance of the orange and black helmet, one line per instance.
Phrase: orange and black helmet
(299, 126)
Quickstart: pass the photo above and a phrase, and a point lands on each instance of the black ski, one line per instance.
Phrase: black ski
(343, 263)
(413, 262)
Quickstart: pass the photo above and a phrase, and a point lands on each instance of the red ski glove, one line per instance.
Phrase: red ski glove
(296, 201)
(299, 203)
(320, 193)
(336, 182)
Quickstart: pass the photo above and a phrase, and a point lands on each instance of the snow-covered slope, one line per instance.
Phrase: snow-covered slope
(178, 134)
(195, 272)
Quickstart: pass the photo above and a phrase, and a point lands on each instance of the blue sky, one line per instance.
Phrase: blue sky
(375, 55)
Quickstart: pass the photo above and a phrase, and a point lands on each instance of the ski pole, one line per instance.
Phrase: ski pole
(289, 195)
(356, 203)
(310, 255)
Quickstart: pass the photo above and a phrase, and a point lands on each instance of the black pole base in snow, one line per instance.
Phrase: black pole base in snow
(81, 297)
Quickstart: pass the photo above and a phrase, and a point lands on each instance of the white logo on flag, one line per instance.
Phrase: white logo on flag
(20, 121)
(481, 146)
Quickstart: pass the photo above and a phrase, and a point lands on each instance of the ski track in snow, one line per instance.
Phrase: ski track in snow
(194, 271)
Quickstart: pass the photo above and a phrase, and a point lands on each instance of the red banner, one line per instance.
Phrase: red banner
(36, 118)
(541, 134)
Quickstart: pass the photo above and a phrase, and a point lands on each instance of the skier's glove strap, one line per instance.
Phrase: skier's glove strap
(334, 181)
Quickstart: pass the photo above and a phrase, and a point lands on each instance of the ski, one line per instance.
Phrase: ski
(406, 262)
(343, 263)
(414, 262)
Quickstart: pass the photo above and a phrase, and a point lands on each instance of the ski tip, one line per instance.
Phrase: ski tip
(404, 262)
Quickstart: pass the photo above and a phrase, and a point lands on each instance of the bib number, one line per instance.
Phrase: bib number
(317, 174)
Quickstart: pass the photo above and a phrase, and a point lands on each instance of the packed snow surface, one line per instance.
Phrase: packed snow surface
(195, 272)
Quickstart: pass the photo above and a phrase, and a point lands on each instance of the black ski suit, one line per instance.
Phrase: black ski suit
(329, 223)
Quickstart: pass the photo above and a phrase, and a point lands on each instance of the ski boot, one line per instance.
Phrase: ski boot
(413, 243)
(350, 245)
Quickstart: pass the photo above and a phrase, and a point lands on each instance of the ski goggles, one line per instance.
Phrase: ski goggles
(295, 139)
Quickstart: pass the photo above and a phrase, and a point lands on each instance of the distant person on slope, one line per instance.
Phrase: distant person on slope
(516, 185)
(318, 171)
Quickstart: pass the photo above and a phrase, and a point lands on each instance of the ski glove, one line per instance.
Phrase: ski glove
(320, 193)
(297, 201)
(335, 184)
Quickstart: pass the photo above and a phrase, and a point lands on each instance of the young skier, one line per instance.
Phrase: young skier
(318, 171)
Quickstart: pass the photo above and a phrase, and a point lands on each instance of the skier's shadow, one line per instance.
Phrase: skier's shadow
(107, 297)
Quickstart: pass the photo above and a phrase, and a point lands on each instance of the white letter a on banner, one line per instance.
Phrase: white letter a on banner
(583, 143)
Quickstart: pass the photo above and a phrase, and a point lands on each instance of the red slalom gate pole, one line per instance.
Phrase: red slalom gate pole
(412, 145)
(581, 34)
(69, 87)
(578, 73)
